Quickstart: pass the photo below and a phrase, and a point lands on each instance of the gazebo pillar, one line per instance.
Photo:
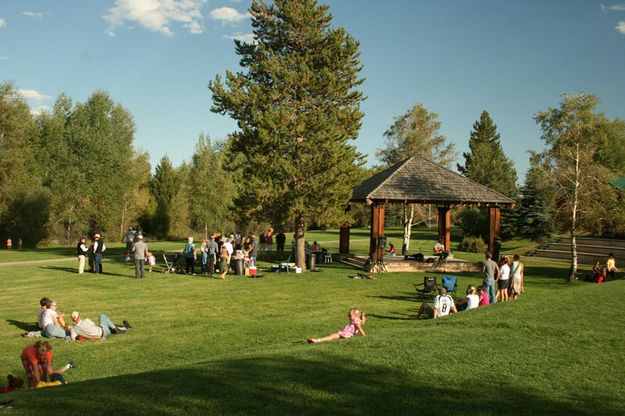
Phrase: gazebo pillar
(377, 230)
(344, 241)
(444, 226)
(494, 226)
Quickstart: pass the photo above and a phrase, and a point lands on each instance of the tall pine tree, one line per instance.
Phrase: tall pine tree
(486, 162)
(297, 110)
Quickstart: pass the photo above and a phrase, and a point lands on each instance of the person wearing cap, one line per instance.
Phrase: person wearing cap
(443, 306)
(98, 249)
(85, 328)
(140, 251)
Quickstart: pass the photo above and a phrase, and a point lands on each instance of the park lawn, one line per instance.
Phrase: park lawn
(203, 346)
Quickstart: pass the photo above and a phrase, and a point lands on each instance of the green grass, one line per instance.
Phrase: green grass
(202, 346)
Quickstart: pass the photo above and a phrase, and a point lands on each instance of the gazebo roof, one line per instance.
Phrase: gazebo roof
(418, 180)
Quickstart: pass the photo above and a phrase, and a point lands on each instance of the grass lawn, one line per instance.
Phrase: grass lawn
(203, 346)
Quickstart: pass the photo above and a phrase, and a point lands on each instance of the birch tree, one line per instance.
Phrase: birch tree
(416, 132)
(572, 133)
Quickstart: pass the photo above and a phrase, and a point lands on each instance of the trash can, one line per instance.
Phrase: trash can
(312, 262)
(238, 267)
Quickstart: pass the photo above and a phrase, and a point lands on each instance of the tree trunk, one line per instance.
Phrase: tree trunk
(573, 271)
(122, 226)
(206, 231)
(300, 249)
(408, 218)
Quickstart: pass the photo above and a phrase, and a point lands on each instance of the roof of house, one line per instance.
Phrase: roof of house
(418, 180)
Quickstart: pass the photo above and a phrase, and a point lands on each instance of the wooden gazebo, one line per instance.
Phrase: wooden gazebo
(420, 181)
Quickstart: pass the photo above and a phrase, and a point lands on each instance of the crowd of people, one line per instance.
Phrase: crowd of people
(508, 278)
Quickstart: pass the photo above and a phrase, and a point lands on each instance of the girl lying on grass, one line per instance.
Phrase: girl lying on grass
(356, 320)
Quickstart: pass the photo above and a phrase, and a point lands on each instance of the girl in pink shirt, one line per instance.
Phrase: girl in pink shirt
(483, 296)
(356, 320)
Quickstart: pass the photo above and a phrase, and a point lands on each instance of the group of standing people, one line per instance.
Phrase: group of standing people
(510, 278)
(93, 253)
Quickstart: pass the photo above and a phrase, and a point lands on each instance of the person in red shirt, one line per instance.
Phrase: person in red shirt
(37, 361)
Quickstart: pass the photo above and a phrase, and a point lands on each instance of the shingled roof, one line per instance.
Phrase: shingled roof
(418, 180)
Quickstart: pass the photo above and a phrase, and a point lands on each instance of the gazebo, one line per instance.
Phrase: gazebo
(417, 180)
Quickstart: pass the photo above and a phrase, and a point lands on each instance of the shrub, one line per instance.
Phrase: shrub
(472, 245)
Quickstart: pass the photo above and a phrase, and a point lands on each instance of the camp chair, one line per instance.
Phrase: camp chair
(169, 267)
(450, 283)
(428, 287)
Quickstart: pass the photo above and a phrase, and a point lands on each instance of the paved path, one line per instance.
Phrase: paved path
(30, 262)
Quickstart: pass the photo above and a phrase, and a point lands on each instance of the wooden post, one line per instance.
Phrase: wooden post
(444, 227)
(494, 226)
(344, 241)
(377, 230)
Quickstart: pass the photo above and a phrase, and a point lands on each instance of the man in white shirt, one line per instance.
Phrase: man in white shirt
(86, 328)
(443, 306)
(52, 322)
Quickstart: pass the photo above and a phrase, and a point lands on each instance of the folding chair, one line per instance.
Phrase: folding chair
(428, 287)
(450, 283)
(169, 267)
(327, 256)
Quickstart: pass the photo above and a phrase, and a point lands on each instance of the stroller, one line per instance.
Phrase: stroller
(176, 266)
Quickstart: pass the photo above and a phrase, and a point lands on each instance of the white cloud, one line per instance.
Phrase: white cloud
(36, 100)
(620, 27)
(156, 15)
(243, 37)
(35, 15)
(613, 8)
(33, 96)
(3, 23)
(228, 15)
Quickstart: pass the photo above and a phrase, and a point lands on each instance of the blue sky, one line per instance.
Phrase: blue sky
(457, 57)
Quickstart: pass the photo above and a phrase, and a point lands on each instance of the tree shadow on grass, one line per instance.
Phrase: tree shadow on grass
(24, 326)
(73, 270)
(311, 385)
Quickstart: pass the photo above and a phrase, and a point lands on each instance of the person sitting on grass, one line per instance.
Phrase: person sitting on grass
(54, 325)
(356, 320)
(85, 328)
(484, 299)
(443, 306)
(472, 301)
(15, 383)
(37, 361)
(40, 313)
(392, 250)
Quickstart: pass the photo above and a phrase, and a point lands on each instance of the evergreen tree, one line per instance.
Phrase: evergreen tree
(486, 162)
(534, 213)
(297, 109)
(163, 187)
